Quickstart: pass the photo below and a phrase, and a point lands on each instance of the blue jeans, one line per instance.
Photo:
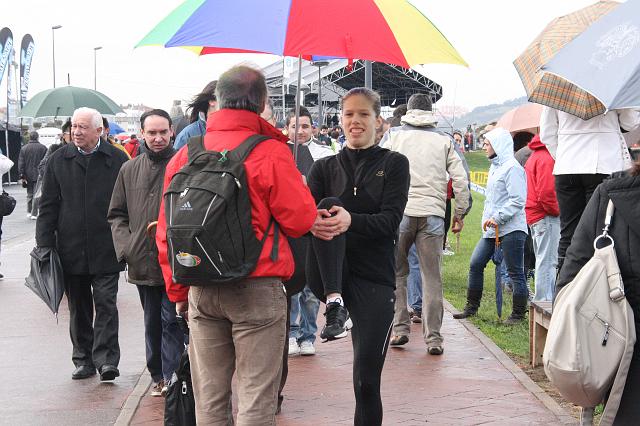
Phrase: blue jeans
(414, 283)
(306, 305)
(546, 237)
(164, 340)
(513, 249)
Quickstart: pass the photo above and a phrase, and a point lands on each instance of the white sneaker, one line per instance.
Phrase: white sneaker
(307, 348)
(448, 252)
(348, 324)
(33, 217)
(294, 348)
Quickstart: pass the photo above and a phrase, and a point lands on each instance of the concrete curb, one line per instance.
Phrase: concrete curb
(563, 416)
(131, 404)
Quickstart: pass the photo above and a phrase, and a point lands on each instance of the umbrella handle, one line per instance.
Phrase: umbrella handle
(497, 236)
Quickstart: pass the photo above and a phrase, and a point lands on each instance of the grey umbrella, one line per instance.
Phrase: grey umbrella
(46, 278)
(62, 101)
(603, 61)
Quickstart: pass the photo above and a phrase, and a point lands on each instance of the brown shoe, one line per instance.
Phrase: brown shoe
(156, 390)
(399, 340)
(416, 317)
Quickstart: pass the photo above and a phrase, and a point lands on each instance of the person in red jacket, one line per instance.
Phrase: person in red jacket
(543, 217)
(242, 325)
(132, 146)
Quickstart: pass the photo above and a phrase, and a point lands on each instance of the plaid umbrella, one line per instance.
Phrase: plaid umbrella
(551, 90)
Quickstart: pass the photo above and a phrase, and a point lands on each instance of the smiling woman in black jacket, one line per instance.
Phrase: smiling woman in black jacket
(362, 193)
(625, 231)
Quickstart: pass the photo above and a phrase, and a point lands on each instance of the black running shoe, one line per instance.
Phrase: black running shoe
(336, 316)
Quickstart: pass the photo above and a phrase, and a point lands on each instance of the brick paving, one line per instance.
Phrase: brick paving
(467, 385)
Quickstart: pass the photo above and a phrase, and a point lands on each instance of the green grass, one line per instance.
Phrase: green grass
(477, 161)
(514, 340)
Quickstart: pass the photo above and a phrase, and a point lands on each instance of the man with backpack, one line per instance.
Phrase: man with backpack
(222, 231)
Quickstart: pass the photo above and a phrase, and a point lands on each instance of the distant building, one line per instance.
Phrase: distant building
(129, 120)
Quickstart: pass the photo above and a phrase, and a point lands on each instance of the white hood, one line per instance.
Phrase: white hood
(419, 118)
(502, 143)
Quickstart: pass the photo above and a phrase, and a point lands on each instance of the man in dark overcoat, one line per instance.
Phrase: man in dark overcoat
(78, 183)
(30, 156)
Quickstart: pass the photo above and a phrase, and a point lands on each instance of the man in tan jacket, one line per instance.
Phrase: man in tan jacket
(432, 161)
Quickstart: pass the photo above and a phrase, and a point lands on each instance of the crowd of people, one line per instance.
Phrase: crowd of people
(355, 217)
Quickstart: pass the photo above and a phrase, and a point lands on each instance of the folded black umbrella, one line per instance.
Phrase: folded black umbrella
(46, 278)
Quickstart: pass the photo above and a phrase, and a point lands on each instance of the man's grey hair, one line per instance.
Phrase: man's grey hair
(242, 87)
(96, 117)
(420, 101)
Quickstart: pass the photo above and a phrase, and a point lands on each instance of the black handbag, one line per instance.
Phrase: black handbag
(7, 204)
(180, 405)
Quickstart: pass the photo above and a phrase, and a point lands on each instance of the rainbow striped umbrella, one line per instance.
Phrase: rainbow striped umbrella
(390, 31)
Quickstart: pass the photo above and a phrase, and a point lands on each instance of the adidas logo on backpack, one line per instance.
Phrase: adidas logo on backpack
(208, 213)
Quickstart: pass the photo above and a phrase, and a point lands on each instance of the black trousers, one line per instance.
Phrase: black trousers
(30, 187)
(95, 343)
(573, 192)
(164, 340)
(371, 307)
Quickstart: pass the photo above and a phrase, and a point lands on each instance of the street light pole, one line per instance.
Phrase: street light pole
(53, 45)
(95, 67)
(320, 64)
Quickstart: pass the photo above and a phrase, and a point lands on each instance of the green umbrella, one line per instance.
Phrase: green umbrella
(62, 101)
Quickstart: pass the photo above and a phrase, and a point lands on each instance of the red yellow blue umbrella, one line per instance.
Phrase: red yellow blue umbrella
(390, 31)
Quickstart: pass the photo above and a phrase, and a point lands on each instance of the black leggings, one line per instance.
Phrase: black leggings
(328, 257)
(370, 307)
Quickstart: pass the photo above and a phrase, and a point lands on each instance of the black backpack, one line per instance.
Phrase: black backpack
(210, 238)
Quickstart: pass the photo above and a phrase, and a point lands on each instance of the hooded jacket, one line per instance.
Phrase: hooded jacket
(541, 189)
(506, 192)
(275, 189)
(431, 156)
(135, 203)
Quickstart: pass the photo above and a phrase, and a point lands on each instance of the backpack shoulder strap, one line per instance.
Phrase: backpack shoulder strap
(241, 152)
(195, 146)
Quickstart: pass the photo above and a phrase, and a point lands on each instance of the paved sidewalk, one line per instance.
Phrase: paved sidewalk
(35, 355)
(472, 383)
(467, 385)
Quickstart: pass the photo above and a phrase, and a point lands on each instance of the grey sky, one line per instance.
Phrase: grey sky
(488, 34)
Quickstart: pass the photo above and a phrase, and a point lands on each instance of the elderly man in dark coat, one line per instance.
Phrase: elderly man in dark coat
(78, 183)
(30, 156)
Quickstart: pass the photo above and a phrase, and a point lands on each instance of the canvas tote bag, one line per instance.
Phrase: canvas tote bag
(591, 333)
